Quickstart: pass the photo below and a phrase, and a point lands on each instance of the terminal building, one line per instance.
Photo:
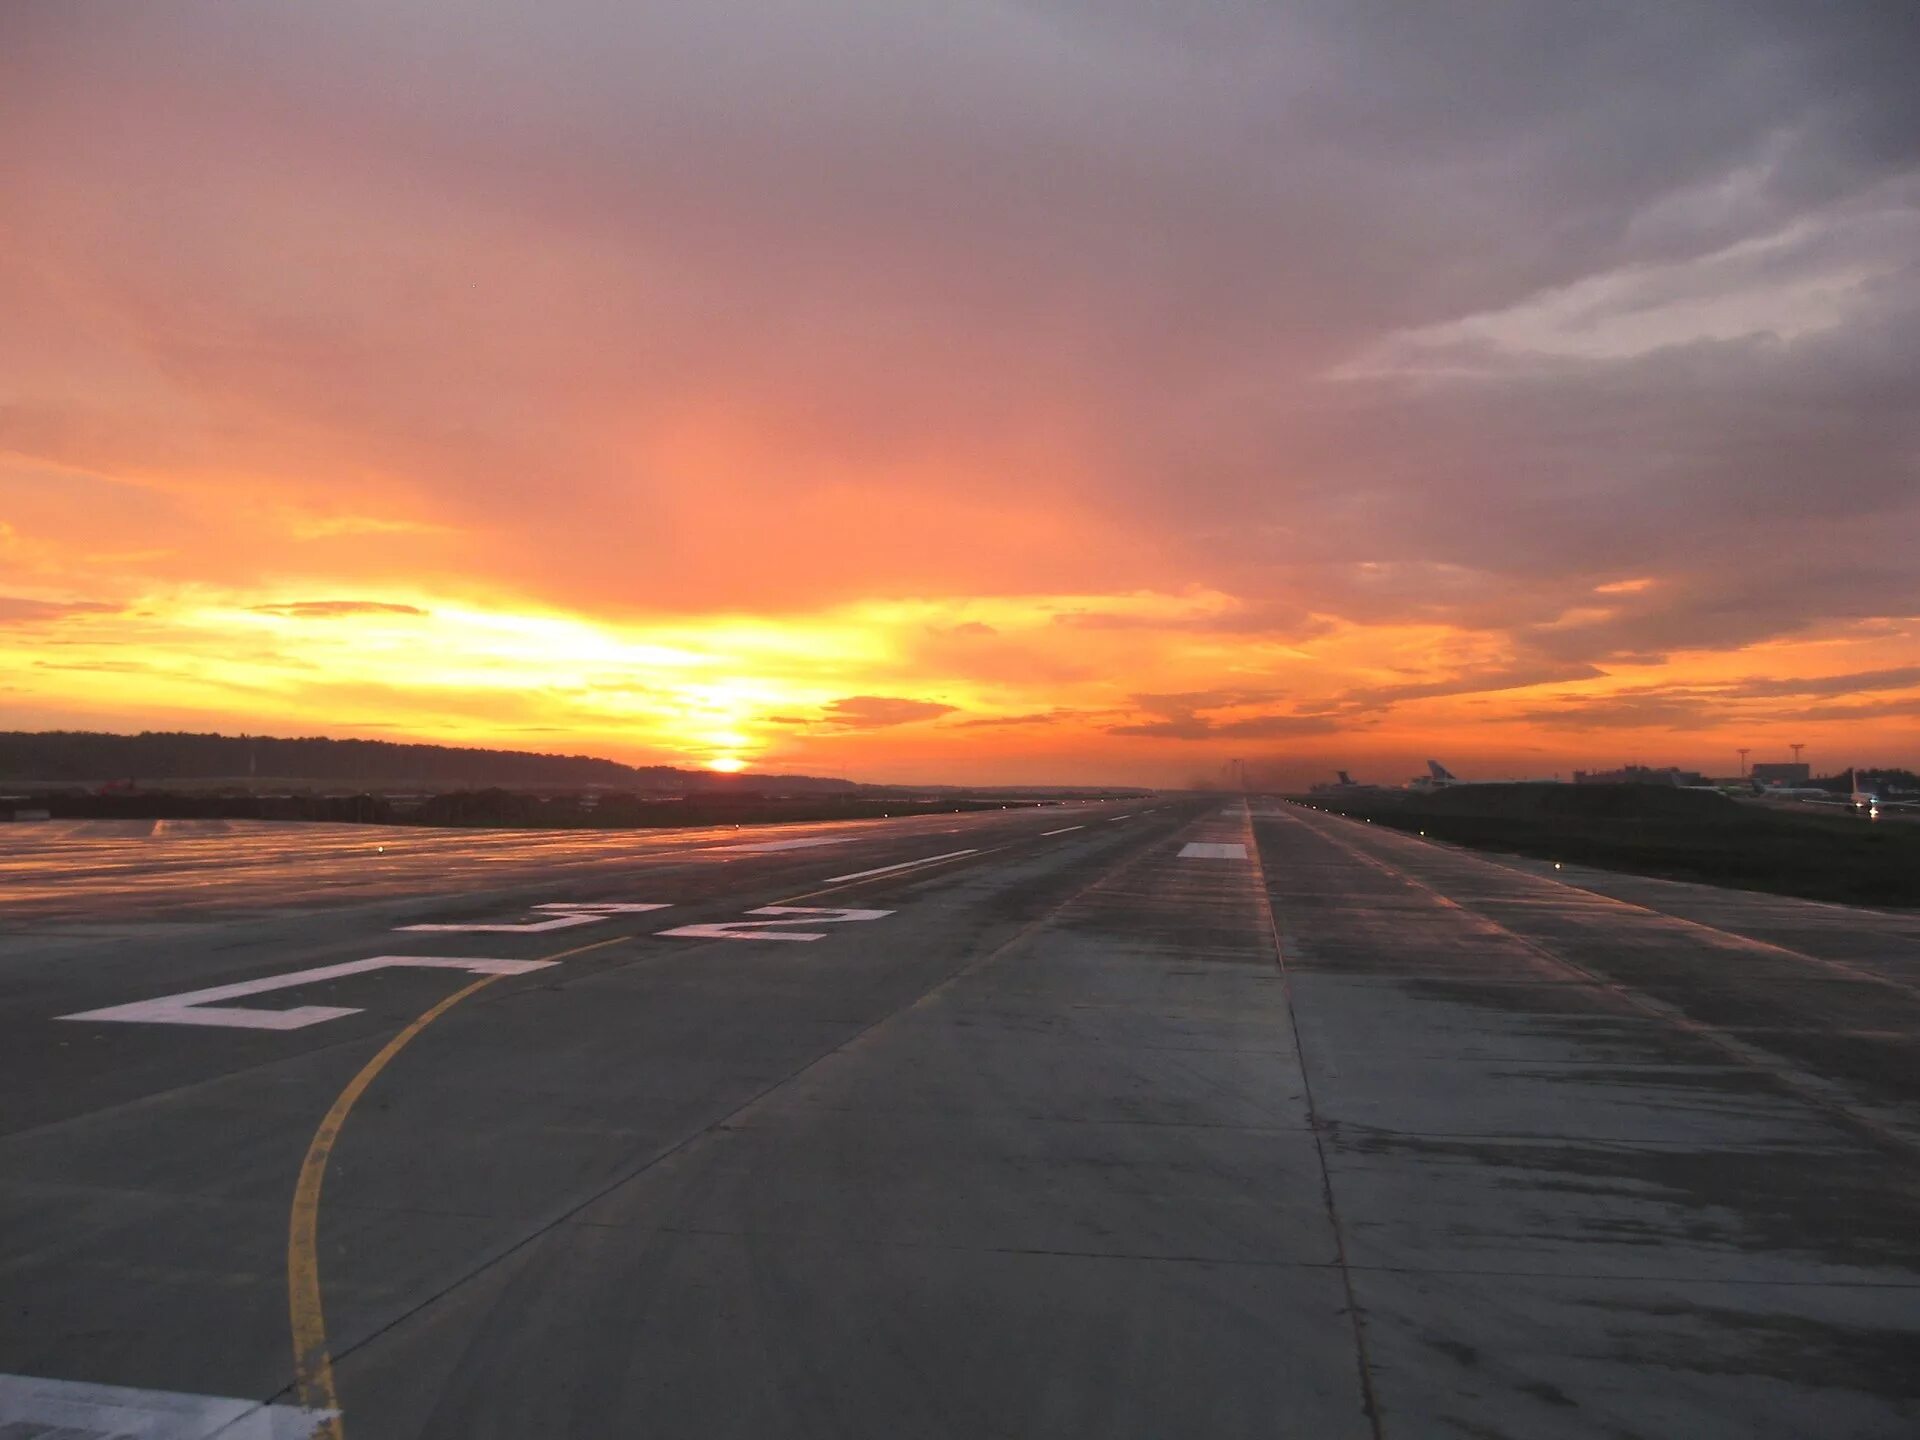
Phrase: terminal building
(1640, 775)
(1781, 772)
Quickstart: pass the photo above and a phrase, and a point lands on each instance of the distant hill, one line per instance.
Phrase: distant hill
(91, 758)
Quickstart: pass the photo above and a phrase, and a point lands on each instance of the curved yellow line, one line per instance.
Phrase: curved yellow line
(312, 1364)
(312, 1361)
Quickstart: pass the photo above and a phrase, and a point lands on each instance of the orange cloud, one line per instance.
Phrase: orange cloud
(1006, 410)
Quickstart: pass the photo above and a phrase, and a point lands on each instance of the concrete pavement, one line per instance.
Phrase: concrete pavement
(1156, 1118)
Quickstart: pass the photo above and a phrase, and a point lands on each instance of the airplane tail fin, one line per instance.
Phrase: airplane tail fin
(1345, 779)
(1439, 771)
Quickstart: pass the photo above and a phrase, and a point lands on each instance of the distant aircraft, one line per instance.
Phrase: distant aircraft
(1438, 777)
(1345, 783)
(1857, 798)
(1794, 792)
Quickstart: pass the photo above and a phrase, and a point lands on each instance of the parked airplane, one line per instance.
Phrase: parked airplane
(1438, 777)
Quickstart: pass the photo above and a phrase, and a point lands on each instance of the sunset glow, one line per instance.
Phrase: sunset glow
(336, 402)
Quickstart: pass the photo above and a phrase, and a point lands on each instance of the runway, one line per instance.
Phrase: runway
(1199, 1117)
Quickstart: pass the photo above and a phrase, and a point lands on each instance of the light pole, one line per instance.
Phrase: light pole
(1743, 762)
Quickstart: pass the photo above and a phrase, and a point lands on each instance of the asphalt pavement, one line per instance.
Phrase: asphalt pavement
(1176, 1117)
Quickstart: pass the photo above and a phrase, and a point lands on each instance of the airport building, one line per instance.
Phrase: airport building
(1781, 772)
(1640, 775)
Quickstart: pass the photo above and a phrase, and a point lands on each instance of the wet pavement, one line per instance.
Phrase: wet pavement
(1149, 1119)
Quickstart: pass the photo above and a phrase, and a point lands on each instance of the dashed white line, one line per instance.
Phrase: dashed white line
(903, 865)
(1113, 819)
(804, 843)
(1063, 830)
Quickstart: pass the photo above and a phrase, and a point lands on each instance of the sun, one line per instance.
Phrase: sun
(726, 764)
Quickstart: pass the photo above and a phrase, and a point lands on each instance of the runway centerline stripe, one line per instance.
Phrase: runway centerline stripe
(1201, 850)
(312, 1362)
(903, 865)
(803, 843)
(1063, 830)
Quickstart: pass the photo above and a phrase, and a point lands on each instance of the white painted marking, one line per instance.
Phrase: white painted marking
(532, 927)
(765, 929)
(804, 844)
(903, 865)
(604, 907)
(1111, 819)
(196, 1007)
(568, 913)
(72, 1410)
(1199, 851)
(1063, 830)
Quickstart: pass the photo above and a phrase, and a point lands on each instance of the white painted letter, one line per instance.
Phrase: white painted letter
(766, 929)
(563, 915)
(195, 1007)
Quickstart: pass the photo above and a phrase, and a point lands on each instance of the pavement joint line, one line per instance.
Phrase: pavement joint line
(1369, 1402)
(1810, 1091)
(859, 1243)
(1665, 1277)
(1144, 851)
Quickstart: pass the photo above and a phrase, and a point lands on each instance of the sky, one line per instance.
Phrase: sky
(1049, 392)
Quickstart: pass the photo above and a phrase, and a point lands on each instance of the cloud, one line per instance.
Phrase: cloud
(335, 609)
(1901, 677)
(1356, 381)
(996, 722)
(16, 610)
(1479, 680)
(876, 712)
(1253, 727)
